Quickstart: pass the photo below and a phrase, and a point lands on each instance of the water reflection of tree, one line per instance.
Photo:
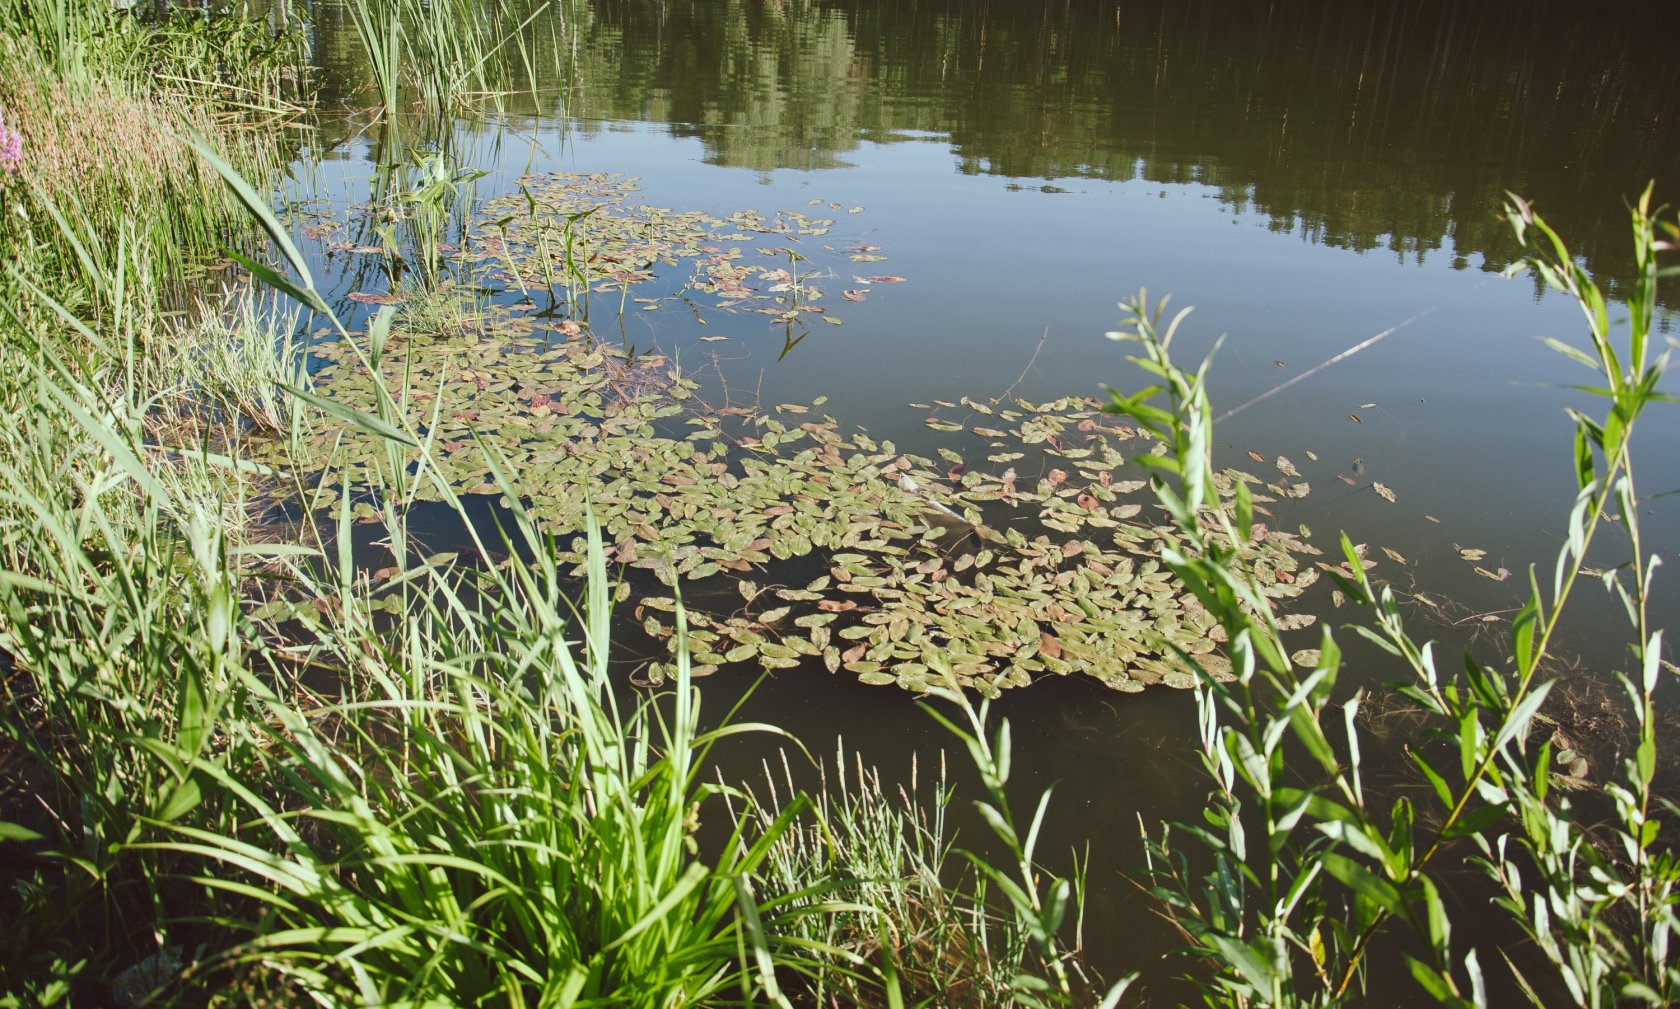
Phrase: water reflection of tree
(1388, 127)
(763, 85)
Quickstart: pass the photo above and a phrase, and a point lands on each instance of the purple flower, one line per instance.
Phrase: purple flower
(11, 147)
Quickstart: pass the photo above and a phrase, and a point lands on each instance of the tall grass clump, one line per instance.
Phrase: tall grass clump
(1305, 871)
(229, 368)
(445, 54)
(914, 920)
(99, 103)
(475, 814)
(119, 629)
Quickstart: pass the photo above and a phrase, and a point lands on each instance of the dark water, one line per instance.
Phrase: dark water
(1309, 175)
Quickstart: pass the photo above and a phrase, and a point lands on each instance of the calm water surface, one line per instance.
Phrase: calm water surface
(1309, 176)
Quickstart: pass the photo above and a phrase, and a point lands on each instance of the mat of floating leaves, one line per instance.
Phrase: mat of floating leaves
(593, 227)
(1024, 549)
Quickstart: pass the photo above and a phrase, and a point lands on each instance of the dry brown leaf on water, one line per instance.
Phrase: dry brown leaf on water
(1383, 492)
(1498, 576)
(1048, 644)
(1286, 467)
(1394, 555)
(1257, 457)
(1470, 554)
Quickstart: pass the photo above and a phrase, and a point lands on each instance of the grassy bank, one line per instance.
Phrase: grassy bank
(245, 765)
(235, 769)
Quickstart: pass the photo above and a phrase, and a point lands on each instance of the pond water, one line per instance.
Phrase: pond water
(1313, 177)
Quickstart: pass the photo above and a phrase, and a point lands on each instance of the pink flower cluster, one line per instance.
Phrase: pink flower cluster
(11, 147)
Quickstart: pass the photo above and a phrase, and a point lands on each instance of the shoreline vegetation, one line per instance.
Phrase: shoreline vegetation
(237, 766)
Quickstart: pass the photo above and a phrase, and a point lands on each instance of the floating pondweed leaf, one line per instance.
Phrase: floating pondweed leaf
(1383, 492)
(1470, 554)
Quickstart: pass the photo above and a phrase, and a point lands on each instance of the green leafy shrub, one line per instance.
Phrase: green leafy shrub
(1309, 870)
